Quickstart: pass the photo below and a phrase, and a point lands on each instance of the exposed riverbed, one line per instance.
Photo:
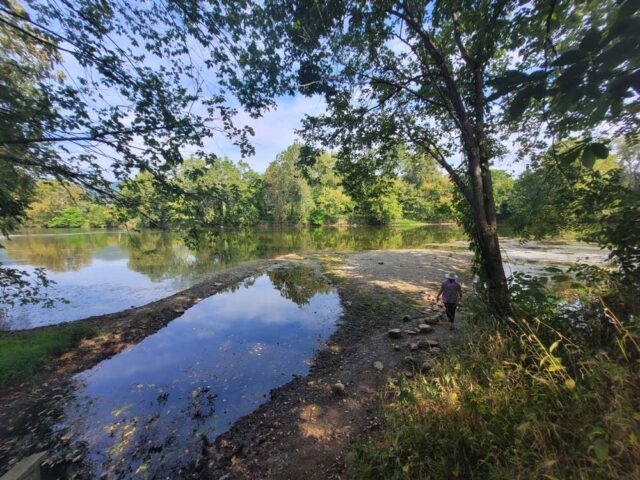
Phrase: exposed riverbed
(101, 272)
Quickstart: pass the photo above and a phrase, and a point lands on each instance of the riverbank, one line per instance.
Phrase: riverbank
(308, 428)
(29, 409)
(377, 289)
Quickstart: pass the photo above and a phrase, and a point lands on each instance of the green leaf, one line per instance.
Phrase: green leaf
(519, 104)
(601, 450)
(600, 150)
(591, 40)
(569, 57)
(570, 156)
(588, 157)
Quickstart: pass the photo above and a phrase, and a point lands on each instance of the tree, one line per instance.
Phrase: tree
(331, 201)
(286, 192)
(412, 72)
(503, 184)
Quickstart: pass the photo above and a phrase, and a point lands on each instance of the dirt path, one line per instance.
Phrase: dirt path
(306, 430)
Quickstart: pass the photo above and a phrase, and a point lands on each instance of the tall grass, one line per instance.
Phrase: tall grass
(540, 396)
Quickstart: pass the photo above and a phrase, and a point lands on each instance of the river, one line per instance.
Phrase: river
(104, 271)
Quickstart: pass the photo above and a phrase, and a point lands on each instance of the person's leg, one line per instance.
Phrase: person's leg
(450, 308)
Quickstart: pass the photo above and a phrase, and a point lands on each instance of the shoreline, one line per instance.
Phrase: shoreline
(304, 414)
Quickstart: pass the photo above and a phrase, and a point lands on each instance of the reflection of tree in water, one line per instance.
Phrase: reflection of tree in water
(59, 253)
(161, 255)
(298, 283)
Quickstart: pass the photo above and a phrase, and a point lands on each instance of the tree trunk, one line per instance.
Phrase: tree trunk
(486, 233)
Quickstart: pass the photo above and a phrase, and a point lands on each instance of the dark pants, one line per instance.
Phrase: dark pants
(450, 308)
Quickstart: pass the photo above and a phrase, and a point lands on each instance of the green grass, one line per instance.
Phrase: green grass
(22, 354)
(517, 401)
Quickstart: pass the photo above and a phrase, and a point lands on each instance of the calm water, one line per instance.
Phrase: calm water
(143, 413)
(106, 271)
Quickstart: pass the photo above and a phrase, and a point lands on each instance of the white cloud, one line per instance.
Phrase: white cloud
(274, 131)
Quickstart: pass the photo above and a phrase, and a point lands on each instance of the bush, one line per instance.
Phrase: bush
(543, 396)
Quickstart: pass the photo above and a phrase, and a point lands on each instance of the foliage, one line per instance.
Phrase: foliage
(22, 354)
(545, 396)
(72, 217)
(287, 194)
(585, 75)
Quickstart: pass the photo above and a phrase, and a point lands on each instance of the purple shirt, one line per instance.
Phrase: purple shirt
(450, 291)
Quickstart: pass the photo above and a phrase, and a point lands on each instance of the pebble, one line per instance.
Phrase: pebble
(410, 332)
(406, 318)
(428, 344)
(424, 328)
(426, 366)
(339, 388)
(378, 366)
(395, 333)
(413, 346)
(396, 348)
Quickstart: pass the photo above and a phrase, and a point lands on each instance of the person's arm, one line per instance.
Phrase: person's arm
(439, 293)
(459, 293)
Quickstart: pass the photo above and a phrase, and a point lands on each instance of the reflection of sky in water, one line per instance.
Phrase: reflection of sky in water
(150, 405)
(94, 290)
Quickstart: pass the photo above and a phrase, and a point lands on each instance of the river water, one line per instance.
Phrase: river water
(101, 271)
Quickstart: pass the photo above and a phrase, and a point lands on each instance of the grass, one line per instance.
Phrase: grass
(521, 400)
(23, 354)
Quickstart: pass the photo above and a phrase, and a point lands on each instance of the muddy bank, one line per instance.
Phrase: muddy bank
(307, 429)
(28, 410)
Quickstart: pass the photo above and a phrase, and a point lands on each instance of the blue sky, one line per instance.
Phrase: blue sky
(274, 131)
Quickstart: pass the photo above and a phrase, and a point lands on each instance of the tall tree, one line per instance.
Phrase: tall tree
(413, 72)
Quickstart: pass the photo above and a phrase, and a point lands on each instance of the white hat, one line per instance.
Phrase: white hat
(451, 276)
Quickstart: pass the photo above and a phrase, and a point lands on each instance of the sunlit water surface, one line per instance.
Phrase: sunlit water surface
(100, 271)
(144, 412)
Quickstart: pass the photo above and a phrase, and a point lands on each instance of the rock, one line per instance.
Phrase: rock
(426, 366)
(428, 344)
(424, 328)
(413, 346)
(395, 333)
(408, 374)
(410, 332)
(378, 366)
(380, 263)
(410, 361)
(406, 318)
(435, 350)
(396, 348)
(178, 310)
(339, 388)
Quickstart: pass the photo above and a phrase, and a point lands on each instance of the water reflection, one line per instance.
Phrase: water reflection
(101, 271)
(148, 409)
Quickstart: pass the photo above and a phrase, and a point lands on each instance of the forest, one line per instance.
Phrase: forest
(517, 121)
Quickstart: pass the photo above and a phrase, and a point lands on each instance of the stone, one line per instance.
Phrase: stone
(380, 263)
(428, 344)
(435, 350)
(426, 366)
(406, 318)
(410, 332)
(413, 346)
(408, 374)
(178, 310)
(339, 388)
(424, 328)
(395, 333)
(410, 361)
(396, 348)
(378, 366)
